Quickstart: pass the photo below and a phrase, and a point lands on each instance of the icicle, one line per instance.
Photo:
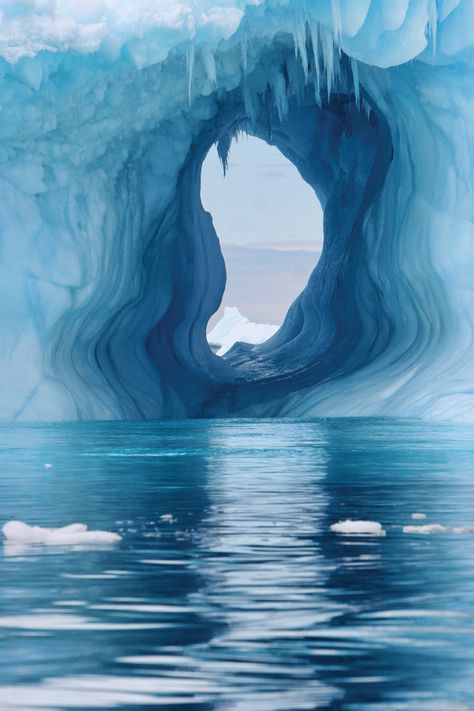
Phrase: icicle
(355, 79)
(327, 46)
(337, 68)
(433, 22)
(279, 93)
(314, 34)
(299, 38)
(190, 54)
(209, 64)
(223, 150)
(337, 22)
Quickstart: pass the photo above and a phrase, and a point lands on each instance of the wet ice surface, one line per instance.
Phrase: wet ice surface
(228, 588)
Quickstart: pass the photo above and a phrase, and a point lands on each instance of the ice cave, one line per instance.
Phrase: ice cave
(111, 268)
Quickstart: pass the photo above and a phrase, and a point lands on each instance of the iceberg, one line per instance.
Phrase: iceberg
(234, 327)
(20, 533)
(111, 268)
(358, 528)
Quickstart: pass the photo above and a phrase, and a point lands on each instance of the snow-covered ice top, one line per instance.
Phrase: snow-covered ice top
(31, 26)
(384, 32)
(358, 528)
(233, 328)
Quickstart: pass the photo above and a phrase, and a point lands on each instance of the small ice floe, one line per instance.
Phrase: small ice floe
(167, 518)
(426, 529)
(76, 534)
(359, 528)
(48, 465)
(418, 516)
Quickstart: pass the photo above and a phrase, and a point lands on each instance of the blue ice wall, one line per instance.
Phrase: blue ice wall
(110, 267)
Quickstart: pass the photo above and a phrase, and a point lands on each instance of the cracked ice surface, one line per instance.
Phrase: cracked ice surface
(110, 266)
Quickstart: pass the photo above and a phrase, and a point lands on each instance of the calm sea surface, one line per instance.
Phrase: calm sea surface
(228, 590)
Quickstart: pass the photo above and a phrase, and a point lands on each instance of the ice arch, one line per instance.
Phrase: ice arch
(111, 267)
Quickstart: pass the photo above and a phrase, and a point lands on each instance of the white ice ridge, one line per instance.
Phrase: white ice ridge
(358, 528)
(233, 327)
(111, 269)
(76, 534)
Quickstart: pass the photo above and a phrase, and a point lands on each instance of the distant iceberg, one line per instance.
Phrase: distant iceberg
(234, 327)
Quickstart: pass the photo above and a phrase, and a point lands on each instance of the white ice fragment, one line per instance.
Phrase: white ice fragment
(364, 528)
(418, 516)
(75, 534)
(234, 327)
(47, 465)
(167, 518)
(426, 529)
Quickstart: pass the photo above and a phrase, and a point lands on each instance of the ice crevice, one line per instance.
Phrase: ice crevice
(111, 268)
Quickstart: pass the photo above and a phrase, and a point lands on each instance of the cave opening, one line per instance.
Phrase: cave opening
(270, 226)
(341, 152)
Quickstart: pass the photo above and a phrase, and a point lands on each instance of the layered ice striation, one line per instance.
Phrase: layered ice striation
(111, 268)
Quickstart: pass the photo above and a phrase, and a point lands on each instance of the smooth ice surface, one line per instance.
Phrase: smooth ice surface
(366, 528)
(74, 534)
(234, 327)
(111, 268)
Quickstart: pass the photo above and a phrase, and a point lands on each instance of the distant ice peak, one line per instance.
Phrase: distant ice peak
(234, 327)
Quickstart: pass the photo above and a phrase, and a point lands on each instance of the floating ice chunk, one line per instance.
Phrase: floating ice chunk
(418, 516)
(234, 327)
(75, 534)
(363, 528)
(426, 529)
(167, 518)
(47, 465)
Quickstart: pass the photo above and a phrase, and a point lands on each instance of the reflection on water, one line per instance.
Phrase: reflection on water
(228, 591)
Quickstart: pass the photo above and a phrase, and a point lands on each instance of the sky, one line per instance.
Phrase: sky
(269, 222)
(261, 199)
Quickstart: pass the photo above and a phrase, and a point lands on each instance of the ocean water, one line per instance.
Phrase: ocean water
(228, 589)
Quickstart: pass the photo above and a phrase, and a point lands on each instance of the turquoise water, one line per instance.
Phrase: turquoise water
(241, 597)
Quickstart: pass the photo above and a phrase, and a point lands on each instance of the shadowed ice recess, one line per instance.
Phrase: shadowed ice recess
(111, 268)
